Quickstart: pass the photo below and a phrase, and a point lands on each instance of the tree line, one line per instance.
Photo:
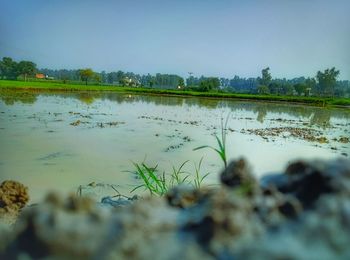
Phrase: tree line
(10, 69)
(324, 83)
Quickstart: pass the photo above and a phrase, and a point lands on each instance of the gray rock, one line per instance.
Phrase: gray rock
(120, 202)
(238, 174)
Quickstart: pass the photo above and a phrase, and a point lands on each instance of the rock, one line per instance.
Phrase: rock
(13, 197)
(120, 202)
(322, 140)
(273, 206)
(319, 234)
(307, 181)
(184, 196)
(238, 174)
(269, 181)
(54, 229)
(75, 123)
(344, 139)
(221, 221)
(72, 228)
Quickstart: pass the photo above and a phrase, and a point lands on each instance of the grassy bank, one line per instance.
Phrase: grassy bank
(56, 86)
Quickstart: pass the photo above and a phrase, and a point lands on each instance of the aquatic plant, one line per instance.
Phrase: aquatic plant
(158, 184)
(221, 141)
(198, 179)
(176, 176)
(152, 182)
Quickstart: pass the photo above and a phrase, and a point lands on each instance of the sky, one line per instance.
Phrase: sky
(207, 37)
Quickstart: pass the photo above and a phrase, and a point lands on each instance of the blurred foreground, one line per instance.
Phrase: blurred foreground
(303, 213)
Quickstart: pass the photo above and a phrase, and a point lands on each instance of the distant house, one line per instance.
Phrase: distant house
(40, 76)
(43, 76)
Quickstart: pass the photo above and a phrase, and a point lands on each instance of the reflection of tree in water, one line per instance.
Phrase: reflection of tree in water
(9, 97)
(203, 102)
(262, 112)
(156, 100)
(161, 100)
(165, 101)
(321, 117)
(281, 110)
(86, 98)
(262, 109)
(316, 115)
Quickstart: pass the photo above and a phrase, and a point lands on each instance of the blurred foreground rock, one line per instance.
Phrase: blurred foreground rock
(301, 214)
(13, 197)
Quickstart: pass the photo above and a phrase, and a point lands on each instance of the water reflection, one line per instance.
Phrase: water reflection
(10, 97)
(315, 115)
(321, 118)
(86, 98)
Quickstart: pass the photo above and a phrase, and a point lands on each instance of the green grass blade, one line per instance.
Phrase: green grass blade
(202, 147)
(136, 188)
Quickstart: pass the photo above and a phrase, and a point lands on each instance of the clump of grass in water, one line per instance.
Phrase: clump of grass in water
(151, 181)
(158, 184)
(221, 150)
(176, 176)
(198, 179)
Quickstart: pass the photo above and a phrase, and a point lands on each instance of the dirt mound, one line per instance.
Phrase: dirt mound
(13, 196)
(303, 213)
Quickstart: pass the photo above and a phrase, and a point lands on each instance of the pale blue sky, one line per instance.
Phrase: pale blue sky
(213, 38)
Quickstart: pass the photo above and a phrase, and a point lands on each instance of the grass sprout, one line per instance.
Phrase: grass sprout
(152, 182)
(176, 176)
(198, 179)
(221, 142)
(158, 184)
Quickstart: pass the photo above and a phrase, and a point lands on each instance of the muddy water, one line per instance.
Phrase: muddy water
(59, 141)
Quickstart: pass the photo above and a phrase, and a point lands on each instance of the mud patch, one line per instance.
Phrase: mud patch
(306, 134)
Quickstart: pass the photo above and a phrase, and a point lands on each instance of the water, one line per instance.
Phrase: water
(58, 141)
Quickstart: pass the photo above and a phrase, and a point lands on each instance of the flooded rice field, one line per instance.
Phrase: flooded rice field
(58, 141)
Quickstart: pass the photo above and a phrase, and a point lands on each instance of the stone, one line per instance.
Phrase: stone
(238, 174)
(13, 197)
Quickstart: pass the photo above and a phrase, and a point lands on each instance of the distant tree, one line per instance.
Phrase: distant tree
(151, 82)
(9, 68)
(2, 70)
(103, 75)
(120, 77)
(97, 77)
(288, 89)
(181, 82)
(110, 77)
(64, 75)
(311, 86)
(300, 88)
(342, 89)
(275, 88)
(192, 81)
(26, 68)
(264, 90)
(327, 81)
(209, 84)
(86, 74)
(266, 77)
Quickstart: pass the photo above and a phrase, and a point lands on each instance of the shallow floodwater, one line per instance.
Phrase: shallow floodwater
(59, 141)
